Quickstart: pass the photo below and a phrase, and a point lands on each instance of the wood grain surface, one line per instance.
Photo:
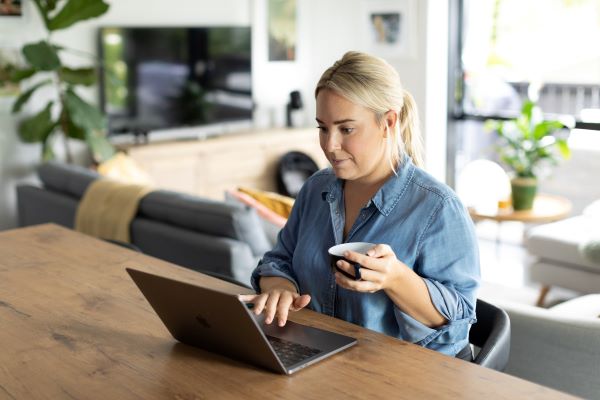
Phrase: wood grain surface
(73, 325)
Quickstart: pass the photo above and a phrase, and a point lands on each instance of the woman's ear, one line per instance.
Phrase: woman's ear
(390, 120)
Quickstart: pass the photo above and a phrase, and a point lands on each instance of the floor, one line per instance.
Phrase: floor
(504, 261)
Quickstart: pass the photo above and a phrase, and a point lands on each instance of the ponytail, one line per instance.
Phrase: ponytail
(410, 131)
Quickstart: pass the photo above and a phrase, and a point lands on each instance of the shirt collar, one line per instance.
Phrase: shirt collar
(387, 196)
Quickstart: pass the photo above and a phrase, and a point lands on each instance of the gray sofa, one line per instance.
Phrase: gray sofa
(205, 235)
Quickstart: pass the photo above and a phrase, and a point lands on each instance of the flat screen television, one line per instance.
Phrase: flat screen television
(171, 77)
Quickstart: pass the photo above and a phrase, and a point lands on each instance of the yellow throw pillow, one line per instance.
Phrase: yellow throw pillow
(123, 168)
(282, 205)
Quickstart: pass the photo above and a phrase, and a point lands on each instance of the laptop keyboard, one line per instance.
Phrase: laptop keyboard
(291, 353)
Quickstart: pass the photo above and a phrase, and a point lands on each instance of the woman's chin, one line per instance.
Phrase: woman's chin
(342, 173)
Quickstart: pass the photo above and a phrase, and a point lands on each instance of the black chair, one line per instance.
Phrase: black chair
(491, 334)
(293, 170)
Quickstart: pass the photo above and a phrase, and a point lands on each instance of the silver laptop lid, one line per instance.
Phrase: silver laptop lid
(219, 322)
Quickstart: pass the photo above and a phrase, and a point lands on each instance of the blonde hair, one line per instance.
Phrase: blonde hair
(372, 83)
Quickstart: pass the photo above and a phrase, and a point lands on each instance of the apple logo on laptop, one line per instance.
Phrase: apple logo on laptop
(202, 321)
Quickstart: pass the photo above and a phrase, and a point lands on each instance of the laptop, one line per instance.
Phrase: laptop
(221, 323)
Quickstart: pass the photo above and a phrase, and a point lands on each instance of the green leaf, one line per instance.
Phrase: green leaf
(75, 11)
(78, 76)
(41, 56)
(527, 109)
(51, 4)
(69, 128)
(83, 114)
(563, 148)
(24, 97)
(523, 126)
(47, 152)
(38, 127)
(101, 148)
(546, 127)
(17, 75)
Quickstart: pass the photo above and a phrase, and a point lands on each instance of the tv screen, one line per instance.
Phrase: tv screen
(168, 77)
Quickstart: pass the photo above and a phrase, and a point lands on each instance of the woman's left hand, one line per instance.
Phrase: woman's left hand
(380, 269)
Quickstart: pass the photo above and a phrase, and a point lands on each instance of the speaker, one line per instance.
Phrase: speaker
(295, 103)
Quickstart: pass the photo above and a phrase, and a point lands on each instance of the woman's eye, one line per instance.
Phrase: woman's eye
(347, 130)
(322, 129)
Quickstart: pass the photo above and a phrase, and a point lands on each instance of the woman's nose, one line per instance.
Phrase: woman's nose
(333, 142)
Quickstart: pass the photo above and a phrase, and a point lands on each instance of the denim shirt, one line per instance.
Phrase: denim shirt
(427, 227)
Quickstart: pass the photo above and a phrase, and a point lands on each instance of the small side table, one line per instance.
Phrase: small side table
(546, 208)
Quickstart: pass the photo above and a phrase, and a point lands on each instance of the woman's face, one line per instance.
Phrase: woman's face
(351, 139)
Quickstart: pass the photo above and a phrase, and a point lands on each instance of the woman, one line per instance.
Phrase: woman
(419, 282)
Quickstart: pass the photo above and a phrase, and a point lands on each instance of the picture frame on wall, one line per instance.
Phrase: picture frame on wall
(11, 8)
(389, 28)
(282, 29)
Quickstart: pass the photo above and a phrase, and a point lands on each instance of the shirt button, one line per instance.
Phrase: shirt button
(331, 286)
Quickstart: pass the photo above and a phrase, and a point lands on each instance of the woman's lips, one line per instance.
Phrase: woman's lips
(337, 163)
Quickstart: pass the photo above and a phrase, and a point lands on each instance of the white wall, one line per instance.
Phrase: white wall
(326, 29)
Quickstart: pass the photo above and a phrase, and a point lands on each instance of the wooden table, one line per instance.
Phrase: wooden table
(74, 325)
(546, 208)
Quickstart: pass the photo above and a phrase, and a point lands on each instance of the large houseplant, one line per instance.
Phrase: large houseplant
(66, 113)
(527, 142)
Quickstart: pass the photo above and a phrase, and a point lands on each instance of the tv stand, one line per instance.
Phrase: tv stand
(208, 167)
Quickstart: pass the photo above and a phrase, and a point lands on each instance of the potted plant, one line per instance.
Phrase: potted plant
(526, 143)
(66, 114)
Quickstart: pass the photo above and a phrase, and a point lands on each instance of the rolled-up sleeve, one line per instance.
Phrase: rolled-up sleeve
(448, 262)
(278, 261)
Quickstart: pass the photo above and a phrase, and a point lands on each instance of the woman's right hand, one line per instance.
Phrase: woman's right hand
(277, 299)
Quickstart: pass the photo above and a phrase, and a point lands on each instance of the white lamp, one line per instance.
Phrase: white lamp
(481, 184)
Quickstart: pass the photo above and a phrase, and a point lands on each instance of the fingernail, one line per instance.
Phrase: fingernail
(281, 323)
(339, 263)
(346, 253)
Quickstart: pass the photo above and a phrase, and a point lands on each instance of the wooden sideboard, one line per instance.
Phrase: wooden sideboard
(209, 166)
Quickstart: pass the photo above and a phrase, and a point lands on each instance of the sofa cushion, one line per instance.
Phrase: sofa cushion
(194, 250)
(592, 210)
(271, 221)
(560, 241)
(66, 178)
(39, 206)
(207, 216)
(584, 306)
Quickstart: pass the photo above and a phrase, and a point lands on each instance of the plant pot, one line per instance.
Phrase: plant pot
(523, 193)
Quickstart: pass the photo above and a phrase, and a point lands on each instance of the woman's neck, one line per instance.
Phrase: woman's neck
(363, 190)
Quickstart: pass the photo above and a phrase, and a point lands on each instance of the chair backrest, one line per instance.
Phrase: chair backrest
(491, 333)
(293, 170)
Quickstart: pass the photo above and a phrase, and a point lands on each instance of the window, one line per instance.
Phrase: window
(545, 49)
(503, 51)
